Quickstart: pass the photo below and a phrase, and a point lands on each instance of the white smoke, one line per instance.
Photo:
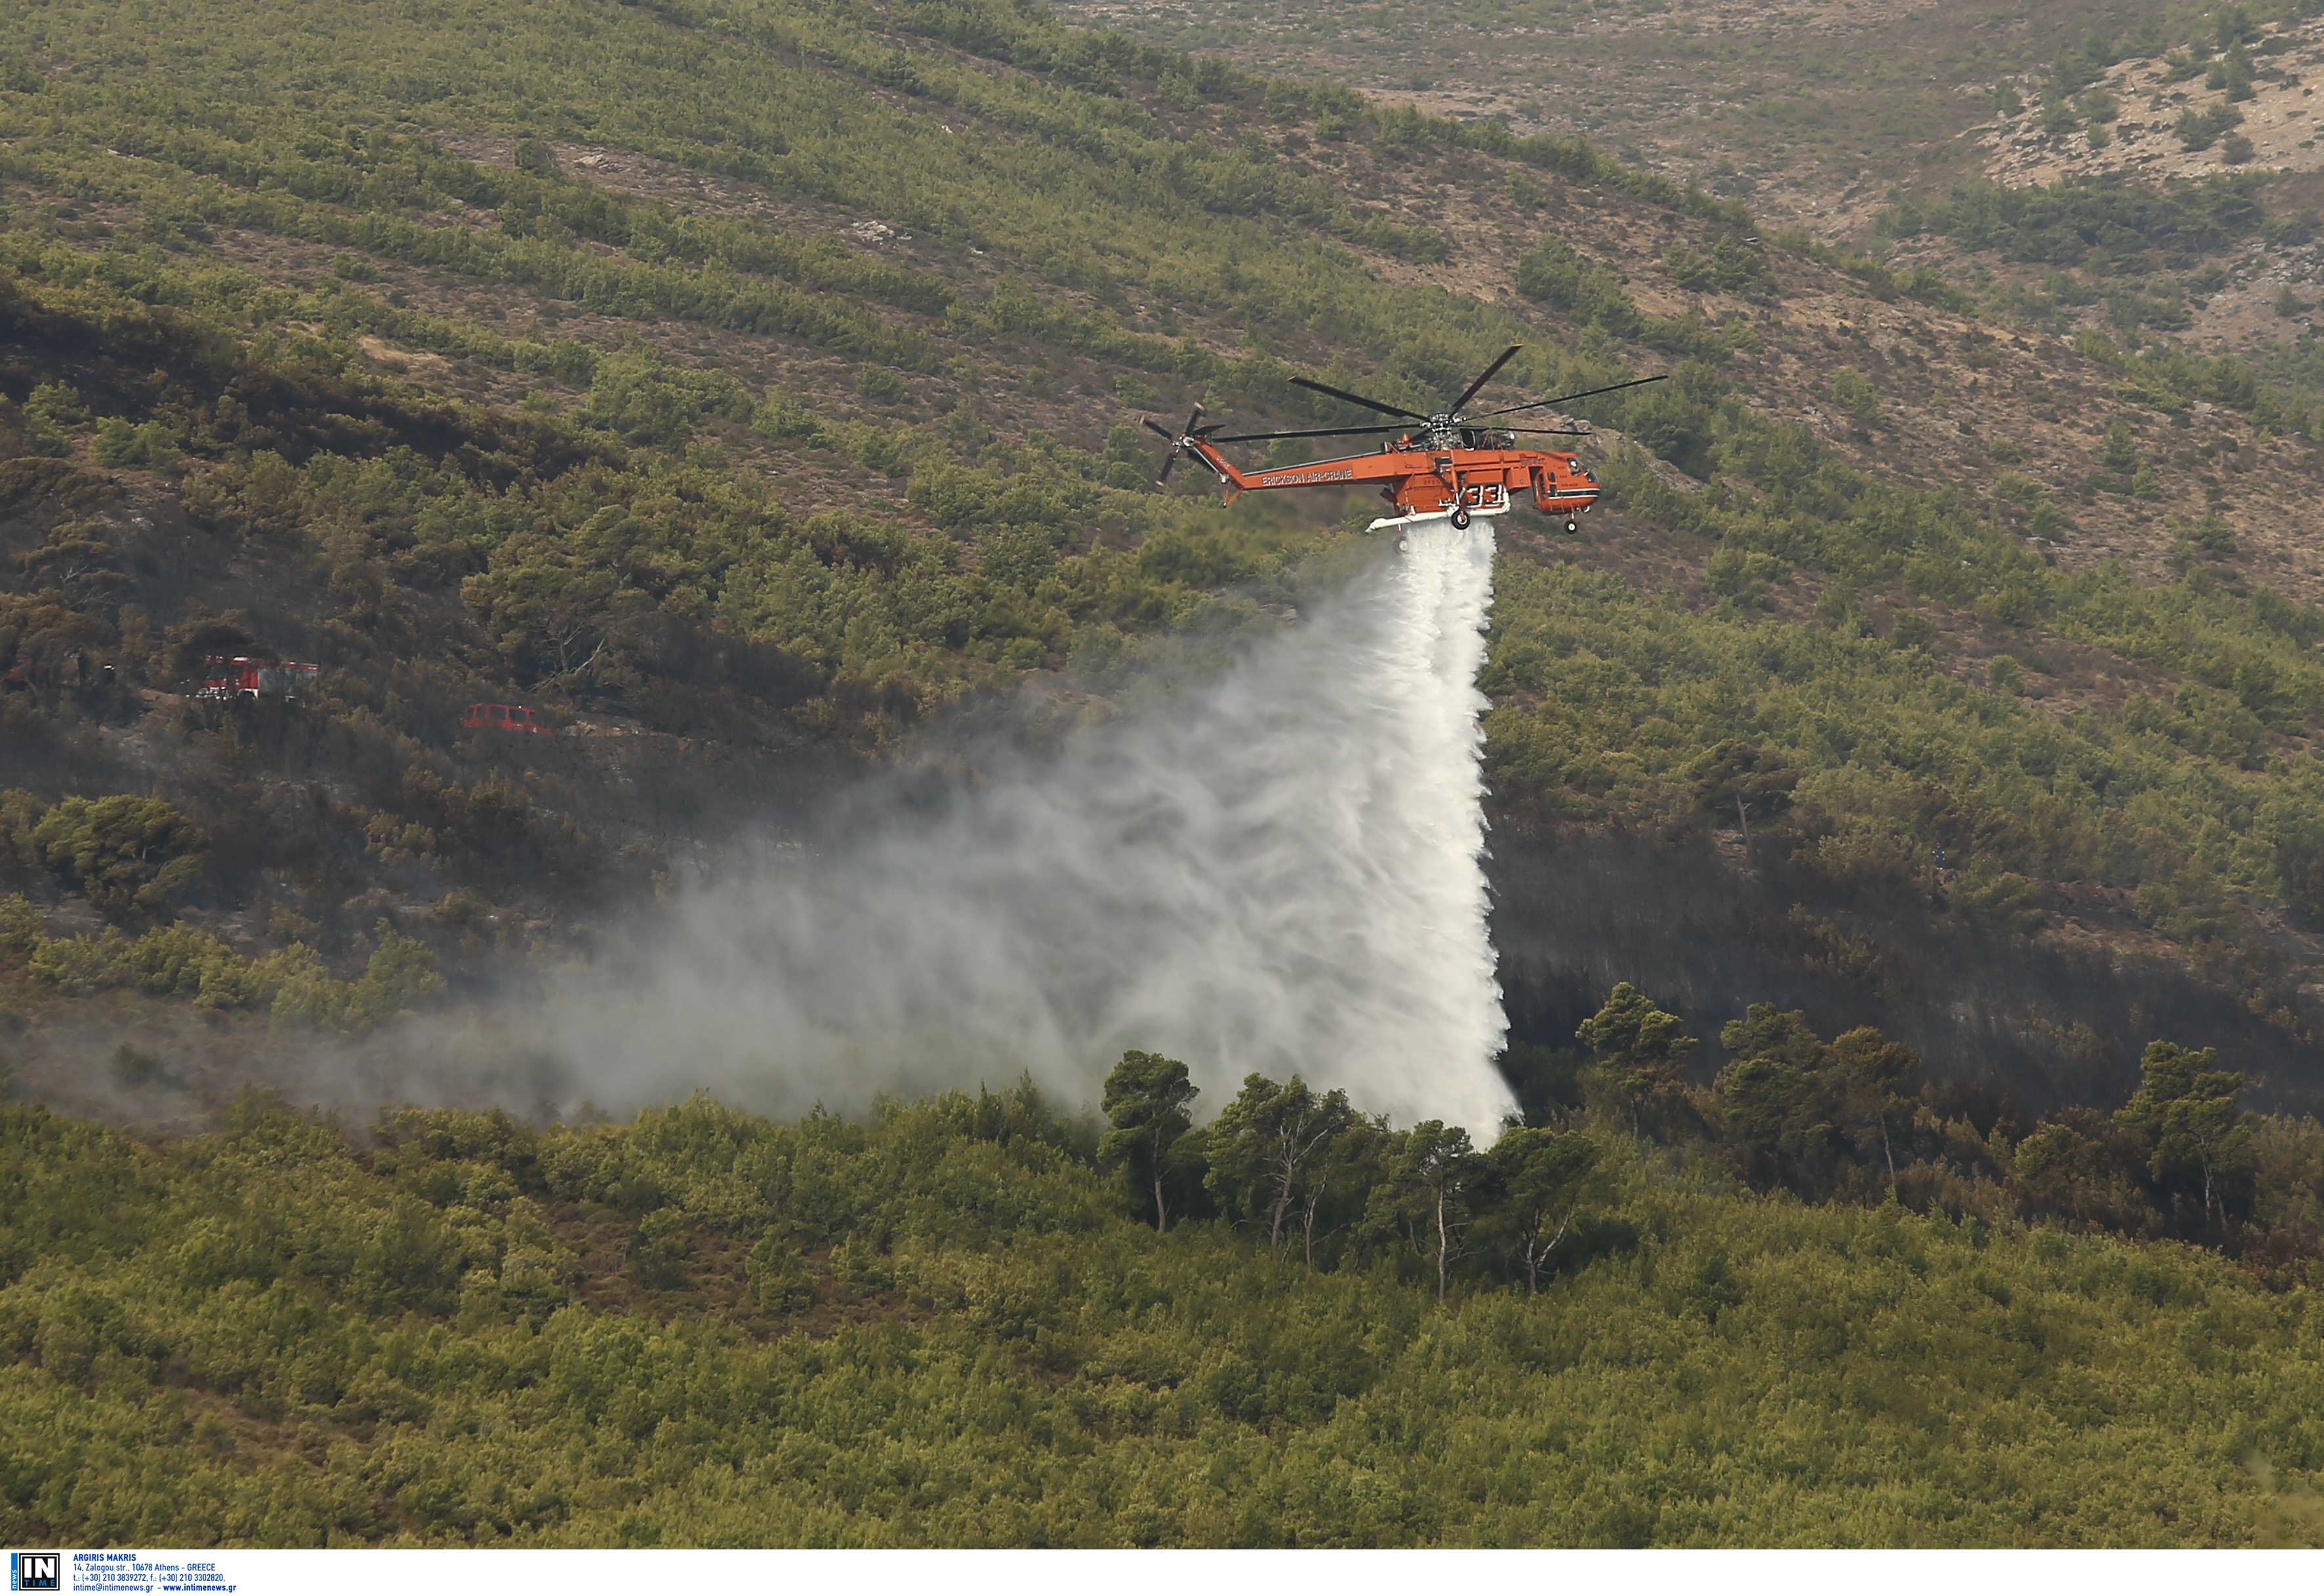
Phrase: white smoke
(1277, 868)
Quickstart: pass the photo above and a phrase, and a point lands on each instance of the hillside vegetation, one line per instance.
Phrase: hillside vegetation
(752, 388)
(450, 352)
(940, 1326)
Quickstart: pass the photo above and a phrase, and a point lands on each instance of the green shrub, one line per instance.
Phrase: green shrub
(1854, 395)
(118, 443)
(637, 394)
(125, 854)
(778, 1280)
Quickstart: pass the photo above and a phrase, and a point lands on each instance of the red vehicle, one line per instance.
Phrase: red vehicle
(502, 717)
(238, 677)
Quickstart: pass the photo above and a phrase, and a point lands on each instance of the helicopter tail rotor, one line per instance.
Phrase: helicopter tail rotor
(1180, 442)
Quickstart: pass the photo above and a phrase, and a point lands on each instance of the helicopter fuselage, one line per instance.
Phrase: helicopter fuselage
(1422, 480)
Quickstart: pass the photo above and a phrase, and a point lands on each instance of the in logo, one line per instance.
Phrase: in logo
(36, 1571)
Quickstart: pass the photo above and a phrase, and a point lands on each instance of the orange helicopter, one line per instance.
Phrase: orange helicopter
(1449, 466)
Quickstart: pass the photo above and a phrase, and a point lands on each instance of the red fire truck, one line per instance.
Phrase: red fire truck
(502, 717)
(238, 677)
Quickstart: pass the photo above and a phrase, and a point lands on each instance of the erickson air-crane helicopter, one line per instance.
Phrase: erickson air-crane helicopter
(1449, 466)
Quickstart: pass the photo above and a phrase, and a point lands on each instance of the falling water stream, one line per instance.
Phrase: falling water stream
(1276, 869)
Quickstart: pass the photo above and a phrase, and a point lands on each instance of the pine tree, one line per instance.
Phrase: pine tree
(1146, 1099)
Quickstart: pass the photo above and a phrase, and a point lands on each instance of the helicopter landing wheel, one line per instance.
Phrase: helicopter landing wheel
(1572, 527)
(1399, 545)
(1460, 521)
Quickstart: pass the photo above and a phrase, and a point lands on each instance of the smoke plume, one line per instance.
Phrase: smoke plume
(1276, 868)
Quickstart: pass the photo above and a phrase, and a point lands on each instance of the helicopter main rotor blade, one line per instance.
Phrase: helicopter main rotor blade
(1370, 404)
(1470, 392)
(1585, 393)
(1320, 432)
(1159, 429)
(1546, 431)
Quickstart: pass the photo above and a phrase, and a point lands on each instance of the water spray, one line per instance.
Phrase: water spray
(1277, 868)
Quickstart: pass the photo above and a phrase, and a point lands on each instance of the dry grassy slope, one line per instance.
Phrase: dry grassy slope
(1951, 385)
(1808, 109)
(1816, 112)
(2282, 119)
